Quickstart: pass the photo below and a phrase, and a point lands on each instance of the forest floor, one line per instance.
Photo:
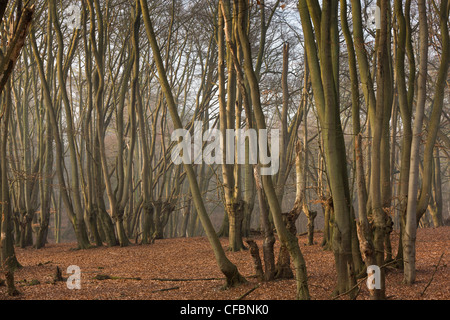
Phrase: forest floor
(134, 271)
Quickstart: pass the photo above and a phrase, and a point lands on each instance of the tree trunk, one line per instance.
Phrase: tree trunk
(80, 228)
(436, 214)
(376, 189)
(438, 103)
(405, 105)
(8, 259)
(267, 229)
(409, 232)
(285, 236)
(230, 173)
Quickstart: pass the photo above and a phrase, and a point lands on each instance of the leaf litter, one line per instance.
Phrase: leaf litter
(137, 272)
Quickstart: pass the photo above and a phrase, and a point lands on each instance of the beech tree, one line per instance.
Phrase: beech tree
(229, 269)
(9, 54)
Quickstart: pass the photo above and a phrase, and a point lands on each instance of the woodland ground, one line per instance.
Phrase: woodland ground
(192, 258)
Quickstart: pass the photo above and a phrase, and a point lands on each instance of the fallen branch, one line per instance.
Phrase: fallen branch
(194, 279)
(165, 289)
(248, 292)
(102, 277)
(181, 279)
(432, 276)
(108, 277)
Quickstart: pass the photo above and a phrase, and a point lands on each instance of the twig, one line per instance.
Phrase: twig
(432, 276)
(248, 292)
(351, 289)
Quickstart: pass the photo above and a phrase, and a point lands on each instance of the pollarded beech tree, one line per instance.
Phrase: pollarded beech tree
(287, 238)
(233, 277)
(327, 105)
(9, 56)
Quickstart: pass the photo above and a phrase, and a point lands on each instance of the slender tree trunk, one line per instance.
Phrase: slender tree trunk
(285, 236)
(438, 103)
(74, 175)
(80, 233)
(405, 106)
(436, 214)
(8, 259)
(364, 231)
(47, 156)
(409, 235)
(98, 50)
(269, 238)
(41, 237)
(378, 214)
(327, 104)
(233, 203)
